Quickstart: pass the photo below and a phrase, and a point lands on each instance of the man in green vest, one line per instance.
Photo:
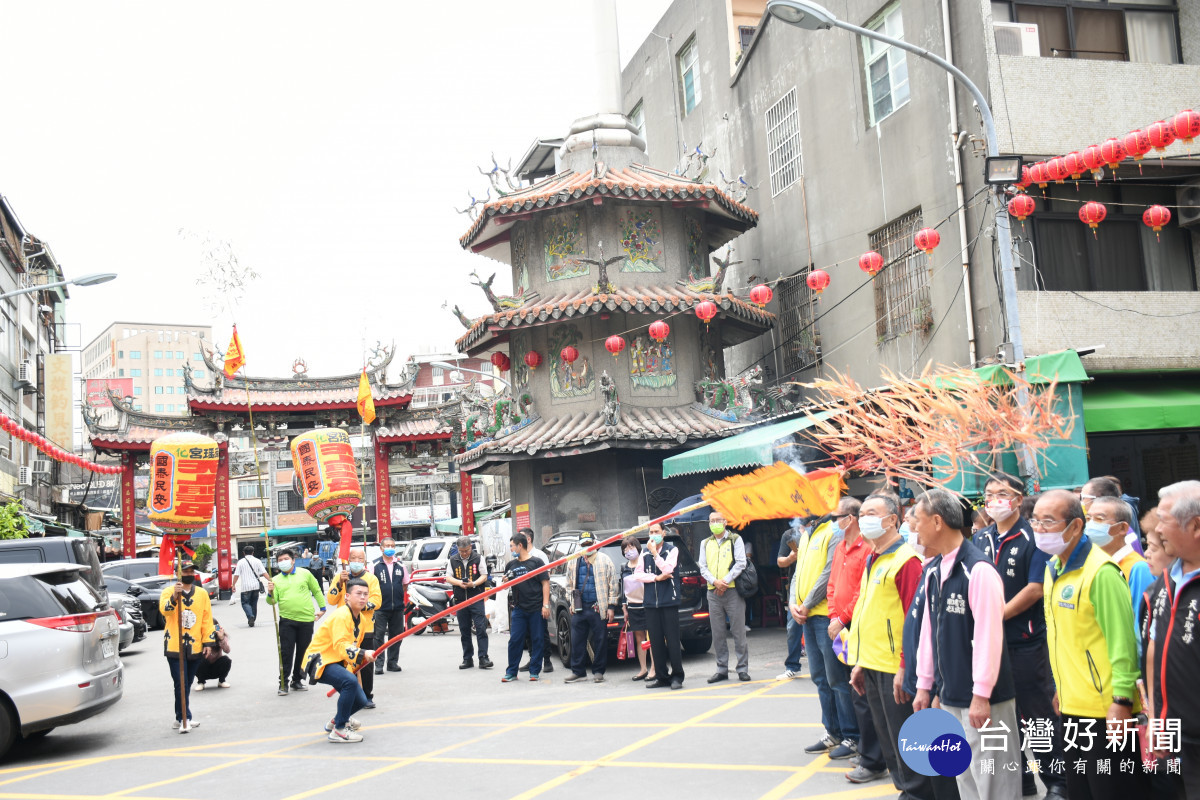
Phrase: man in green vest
(294, 589)
(1093, 652)
(722, 559)
(875, 647)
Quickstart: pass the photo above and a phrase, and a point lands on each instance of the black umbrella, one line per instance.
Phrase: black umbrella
(698, 515)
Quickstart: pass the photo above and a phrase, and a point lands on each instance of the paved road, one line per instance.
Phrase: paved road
(437, 728)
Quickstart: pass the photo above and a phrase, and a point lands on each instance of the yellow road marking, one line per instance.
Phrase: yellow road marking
(799, 777)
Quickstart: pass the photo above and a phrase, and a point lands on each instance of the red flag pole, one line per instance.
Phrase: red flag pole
(491, 592)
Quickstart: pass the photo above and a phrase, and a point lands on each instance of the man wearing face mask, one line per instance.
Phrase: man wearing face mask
(336, 596)
(961, 652)
(467, 574)
(389, 618)
(722, 560)
(294, 590)
(592, 587)
(1009, 543)
(1108, 520)
(876, 648)
(661, 603)
(531, 605)
(1093, 650)
(181, 604)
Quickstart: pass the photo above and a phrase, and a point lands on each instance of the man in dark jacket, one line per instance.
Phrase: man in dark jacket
(661, 603)
(389, 619)
(468, 575)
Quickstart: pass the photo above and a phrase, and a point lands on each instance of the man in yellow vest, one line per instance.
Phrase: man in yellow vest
(332, 656)
(336, 596)
(876, 645)
(808, 606)
(722, 560)
(1093, 652)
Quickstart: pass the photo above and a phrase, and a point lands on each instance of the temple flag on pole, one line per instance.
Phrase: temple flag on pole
(775, 492)
(235, 356)
(366, 403)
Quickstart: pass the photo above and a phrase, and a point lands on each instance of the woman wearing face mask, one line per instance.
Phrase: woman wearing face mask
(336, 596)
(635, 614)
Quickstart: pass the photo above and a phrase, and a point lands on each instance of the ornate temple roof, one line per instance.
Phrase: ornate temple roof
(634, 299)
(136, 430)
(413, 430)
(638, 427)
(635, 182)
(338, 392)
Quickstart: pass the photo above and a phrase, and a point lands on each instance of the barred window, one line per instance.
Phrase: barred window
(797, 331)
(289, 500)
(902, 300)
(783, 143)
(250, 517)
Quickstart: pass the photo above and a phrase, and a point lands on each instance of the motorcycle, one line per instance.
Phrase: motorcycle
(425, 599)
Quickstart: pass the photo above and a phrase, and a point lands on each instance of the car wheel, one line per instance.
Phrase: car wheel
(695, 647)
(563, 637)
(8, 728)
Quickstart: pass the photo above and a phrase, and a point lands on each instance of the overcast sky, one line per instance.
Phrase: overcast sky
(329, 143)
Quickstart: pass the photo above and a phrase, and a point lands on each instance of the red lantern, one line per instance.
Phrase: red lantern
(659, 330)
(706, 310)
(1026, 179)
(1161, 135)
(1156, 217)
(1093, 159)
(761, 295)
(1021, 206)
(1093, 214)
(569, 354)
(817, 280)
(533, 359)
(1039, 174)
(1056, 168)
(870, 263)
(1186, 126)
(1137, 144)
(1113, 152)
(500, 361)
(927, 239)
(614, 344)
(1073, 163)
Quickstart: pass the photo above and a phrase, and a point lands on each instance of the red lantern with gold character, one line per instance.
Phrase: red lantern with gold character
(927, 239)
(569, 354)
(1186, 126)
(533, 359)
(870, 263)
(659, 331)
(1021, 207)
(706, 310)
(817, 280)
(614, 344)
(182, 492)
(328, 483)
(1156, 217)
(761, 295)
(1093, 214)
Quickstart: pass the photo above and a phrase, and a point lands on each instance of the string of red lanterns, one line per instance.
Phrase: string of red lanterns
(19, 431)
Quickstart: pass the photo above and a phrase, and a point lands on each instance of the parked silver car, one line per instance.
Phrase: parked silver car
(58, 650)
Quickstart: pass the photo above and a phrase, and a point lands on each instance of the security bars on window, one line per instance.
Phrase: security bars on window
(783, 143)
(902, 300)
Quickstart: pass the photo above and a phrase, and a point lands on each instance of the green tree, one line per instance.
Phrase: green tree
(203, 554)
(12, 521)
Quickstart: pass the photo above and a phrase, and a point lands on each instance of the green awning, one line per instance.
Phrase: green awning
(754, 448)
(449, 525)
(1143, 405)
(1064, 367)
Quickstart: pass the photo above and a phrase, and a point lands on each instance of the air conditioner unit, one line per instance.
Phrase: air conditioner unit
(41, 466)
(1187, 199)
(24, 478)
(26, 375)
(1017, 39)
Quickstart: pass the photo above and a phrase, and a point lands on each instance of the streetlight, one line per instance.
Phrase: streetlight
(86, 280)
(811, 16)
(452, 368)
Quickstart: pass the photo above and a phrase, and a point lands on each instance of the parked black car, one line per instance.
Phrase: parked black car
(147, 599)
(694, 632)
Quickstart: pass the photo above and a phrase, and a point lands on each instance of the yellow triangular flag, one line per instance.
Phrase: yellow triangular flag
(366, 403)
(235, 356)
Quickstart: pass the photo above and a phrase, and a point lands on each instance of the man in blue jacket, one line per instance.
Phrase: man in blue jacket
(389, 619)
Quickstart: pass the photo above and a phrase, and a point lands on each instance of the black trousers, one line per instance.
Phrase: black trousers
(868, 740)
(589, 627)
(473, 617)
(888, 719)
(216, 671)
(294, 638)
(1034, 683)
(388, 624)
(662, 626)
(1115, 783)
(366, 675)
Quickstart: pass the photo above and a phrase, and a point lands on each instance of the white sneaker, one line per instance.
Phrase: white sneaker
(787, 675)
(223, 685)
(351, 723)
(191, 724)
(344, 735)
(199, 687)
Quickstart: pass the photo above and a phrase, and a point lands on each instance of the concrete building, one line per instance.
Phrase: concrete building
(144, 361)
(847, 146)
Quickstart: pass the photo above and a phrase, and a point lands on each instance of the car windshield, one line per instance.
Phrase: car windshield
(75, 594)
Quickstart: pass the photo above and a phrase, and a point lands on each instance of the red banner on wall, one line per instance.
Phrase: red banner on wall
(97, 389)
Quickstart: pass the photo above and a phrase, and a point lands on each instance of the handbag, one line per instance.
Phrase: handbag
(747, 583)
(625, 644)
